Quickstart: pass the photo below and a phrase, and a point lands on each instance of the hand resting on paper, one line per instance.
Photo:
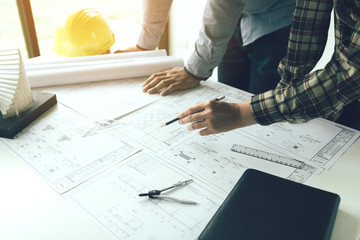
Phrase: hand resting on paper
(169, 81)
(212, 117)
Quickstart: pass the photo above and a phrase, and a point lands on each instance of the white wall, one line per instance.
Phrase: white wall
(185, 23)
(329, 49)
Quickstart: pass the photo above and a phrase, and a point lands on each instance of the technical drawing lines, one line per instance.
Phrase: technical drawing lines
(291, 162)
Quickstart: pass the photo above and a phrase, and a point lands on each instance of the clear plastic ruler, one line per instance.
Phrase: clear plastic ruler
(291, 162)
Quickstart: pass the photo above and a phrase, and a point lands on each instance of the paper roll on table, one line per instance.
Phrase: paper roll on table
(86, 59)
(42, 72)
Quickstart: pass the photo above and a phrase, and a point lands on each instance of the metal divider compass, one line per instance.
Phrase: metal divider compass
(157, 193)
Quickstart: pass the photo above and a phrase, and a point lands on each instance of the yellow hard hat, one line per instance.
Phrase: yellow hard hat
(83, 33)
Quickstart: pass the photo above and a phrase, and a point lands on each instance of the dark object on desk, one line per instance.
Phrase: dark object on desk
(9, 127)
(263, 206)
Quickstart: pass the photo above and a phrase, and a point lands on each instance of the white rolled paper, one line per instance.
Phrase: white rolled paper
(86, 59)
(99, 68)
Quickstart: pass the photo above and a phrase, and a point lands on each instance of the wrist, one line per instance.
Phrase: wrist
(192, 75)
(246, 117)
(141, 48)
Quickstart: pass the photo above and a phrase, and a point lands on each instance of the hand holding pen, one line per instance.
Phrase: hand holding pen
(177, 118)
(212, 117)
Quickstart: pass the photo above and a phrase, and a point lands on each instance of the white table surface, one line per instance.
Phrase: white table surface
(31, 209)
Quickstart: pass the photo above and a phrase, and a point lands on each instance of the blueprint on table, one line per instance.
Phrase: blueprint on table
(103, 172)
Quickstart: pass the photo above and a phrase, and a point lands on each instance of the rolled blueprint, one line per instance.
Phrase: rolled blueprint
(40, 61)
(104, 67)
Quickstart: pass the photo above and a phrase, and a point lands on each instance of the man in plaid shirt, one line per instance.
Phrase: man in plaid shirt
(300, 95)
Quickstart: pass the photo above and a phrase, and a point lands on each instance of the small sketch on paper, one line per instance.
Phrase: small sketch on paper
(125, 215)
(55, 148)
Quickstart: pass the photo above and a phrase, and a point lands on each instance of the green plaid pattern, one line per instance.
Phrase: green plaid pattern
(301, 95)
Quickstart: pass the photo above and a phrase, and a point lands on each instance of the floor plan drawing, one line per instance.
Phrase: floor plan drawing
(55, 147)
(125, 215)
(104, 144)
(205, 157)
(320, 142)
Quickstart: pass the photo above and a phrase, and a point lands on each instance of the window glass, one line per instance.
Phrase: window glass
(11, 35)
(123, 16)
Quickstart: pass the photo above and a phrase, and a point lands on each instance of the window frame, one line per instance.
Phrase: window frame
(30, 36)
(28, 28)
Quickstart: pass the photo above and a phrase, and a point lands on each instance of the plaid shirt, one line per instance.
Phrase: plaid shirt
(301, 95)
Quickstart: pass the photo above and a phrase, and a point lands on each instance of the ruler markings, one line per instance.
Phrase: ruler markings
(291, 162)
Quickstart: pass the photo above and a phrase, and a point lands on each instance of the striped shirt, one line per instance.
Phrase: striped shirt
(302, 95)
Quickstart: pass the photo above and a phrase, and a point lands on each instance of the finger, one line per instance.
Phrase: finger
(197, 125)
(163, 82)
(192, 118)
(189, 111)
(153, 83)
(171, 88)
(207, 131)
(152, 77)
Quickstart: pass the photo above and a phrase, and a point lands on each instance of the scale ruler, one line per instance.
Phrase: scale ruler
(291, 162)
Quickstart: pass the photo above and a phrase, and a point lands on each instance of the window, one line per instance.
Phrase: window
(10, 28)
(123, 16)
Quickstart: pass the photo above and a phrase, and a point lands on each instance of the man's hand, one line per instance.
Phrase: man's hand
(169, 81)
(213, 117)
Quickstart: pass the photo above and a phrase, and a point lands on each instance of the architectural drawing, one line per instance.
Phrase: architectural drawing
(319, 143)
(125, 215)
(55, 148)
(211, 159)
(134, 154)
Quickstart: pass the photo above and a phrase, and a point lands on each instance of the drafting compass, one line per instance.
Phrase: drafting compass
(157, 193)
(291, 162)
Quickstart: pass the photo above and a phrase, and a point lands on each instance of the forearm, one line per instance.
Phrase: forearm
(219, 22)
(300, 96)
(321, 94)
(155, 16)
(246, 117)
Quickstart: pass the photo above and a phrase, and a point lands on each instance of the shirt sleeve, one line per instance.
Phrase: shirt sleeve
(300, 95)
(219, 22)
(155, 16)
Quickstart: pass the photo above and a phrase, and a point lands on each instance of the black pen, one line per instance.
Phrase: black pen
(177, 119)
